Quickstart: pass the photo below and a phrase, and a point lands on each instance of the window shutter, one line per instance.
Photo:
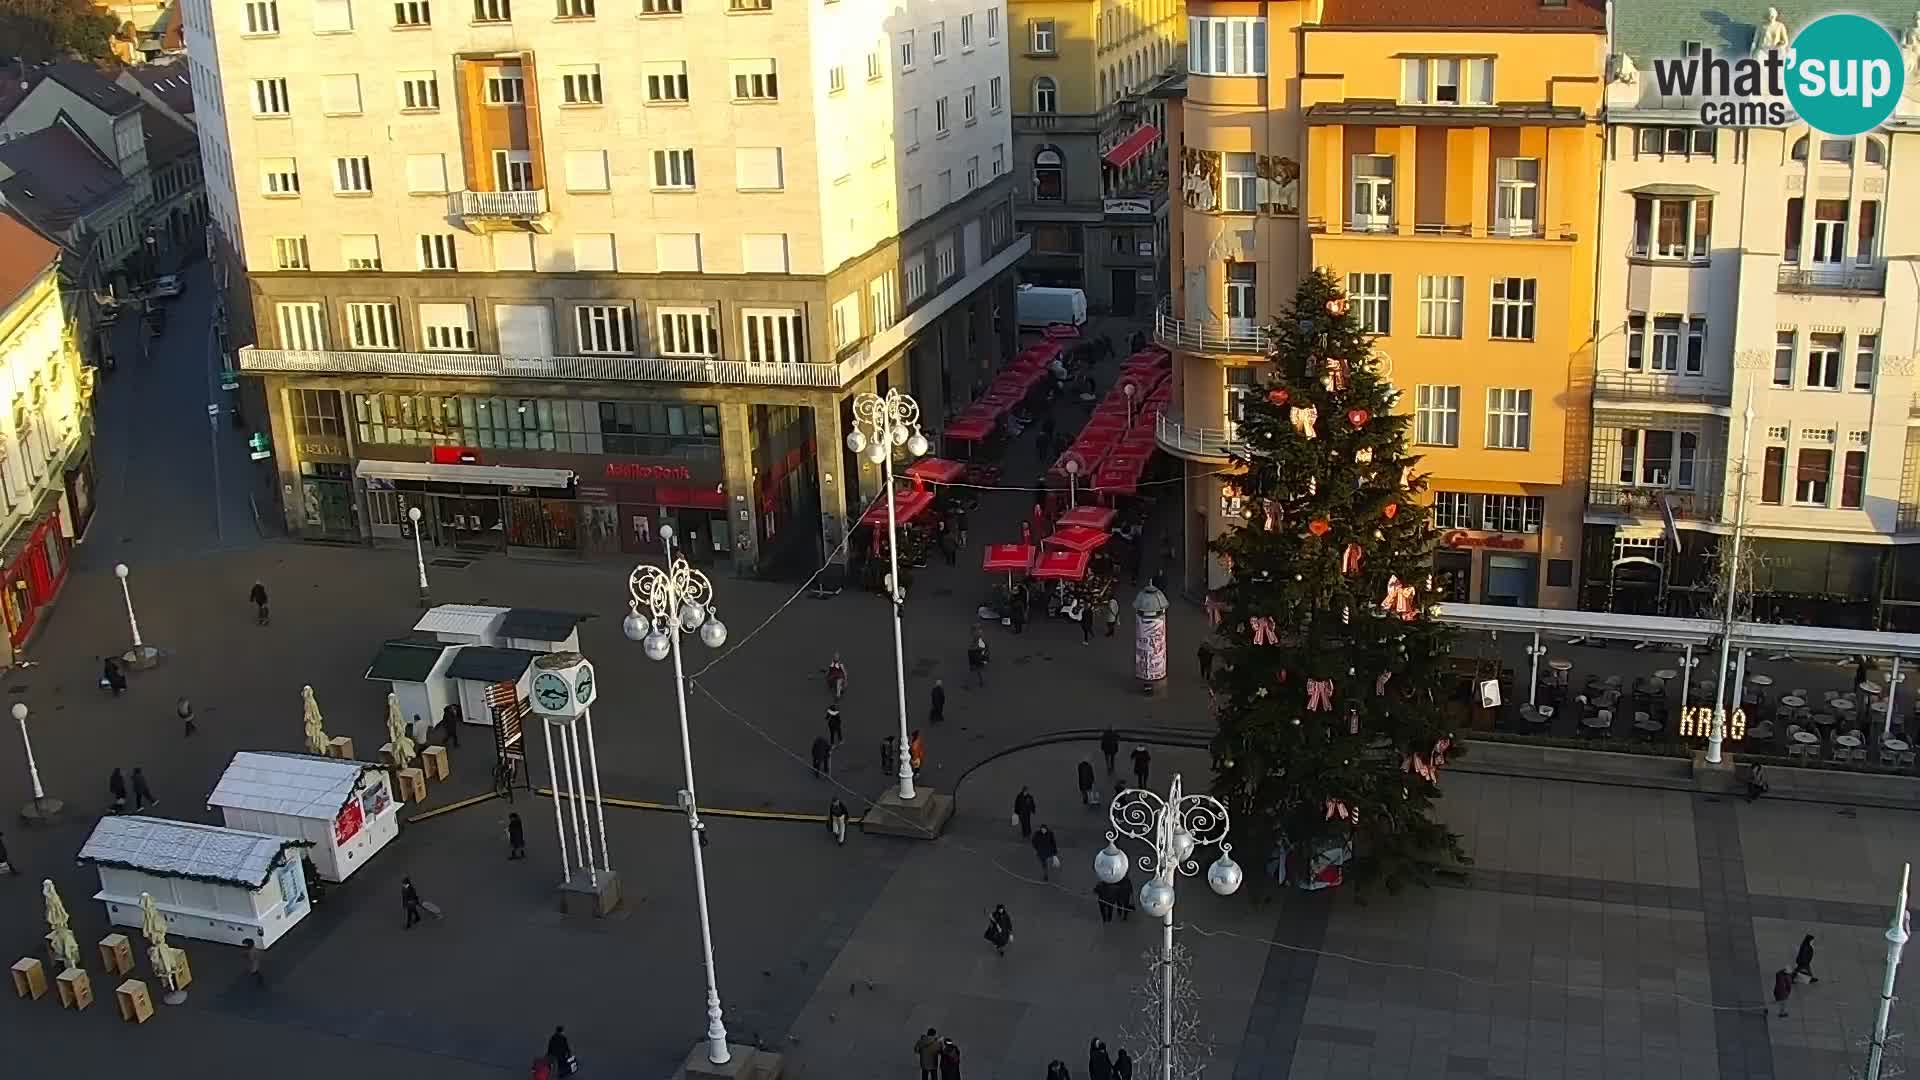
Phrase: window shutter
(593, 251)
(758, 167)
(677, 252)
(764, 253)
(427, 173)
(512, 251)
(332, 16)
(340, 94)
(586, 170)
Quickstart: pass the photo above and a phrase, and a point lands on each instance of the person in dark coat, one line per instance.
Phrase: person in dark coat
(1123, 898)
(1046, 848)
(410, 899)
(1103, 895)
(112, 677)
(1205, 652)
(143, 797)
(960, 524)
(1142, 764)
(949, 1060)
(1086, 623)
(450, 721)
(937, 710)
(1099, 1065)
(837, 820)
(927, 1049)
(1023, 810)
(560, 1052)
(890, 755)
(1110, 746)
(977, 657)
(834, 735)
(1802, 960)
(1123, 1065)
(117, 787)
(822, 755)
(184, 710)
(1057, 1070)
(1782, 988)
(1086, 783)
(258, 596)
(516, 837)
(1000, 929)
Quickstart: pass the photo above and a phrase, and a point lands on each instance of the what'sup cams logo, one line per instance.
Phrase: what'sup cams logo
(1842, 74)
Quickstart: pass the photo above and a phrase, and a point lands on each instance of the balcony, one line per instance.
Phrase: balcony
(1215, 444)
(1866, 280)
(1192, 336)
(1644, 502)
(1658, 392)
(1126, 111)
(1382, 225)
(493, 211)
(453, 365)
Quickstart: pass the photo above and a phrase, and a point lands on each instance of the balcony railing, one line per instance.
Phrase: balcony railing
(567, 368)
(1840, 279)
(497, 204)
(1645, 389)
(1178, 438)
(1694, 505)
(1194, 336)
(1124, 111)
(1381, 225)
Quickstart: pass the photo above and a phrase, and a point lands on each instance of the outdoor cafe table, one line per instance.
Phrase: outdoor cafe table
(1898, 746)
(1851, 742)
(1823, 720)
(1792, 701)
(1805, 736)
(1560, 664)
(1666, 674)
(1760, 680)
(1844, 704)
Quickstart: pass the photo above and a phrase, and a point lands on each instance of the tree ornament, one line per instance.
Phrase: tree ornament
(1273, 515)
(1337, 306)
(1353, 721)
(1304, 420)
(1296, 721)
(1279, 396)
(1262, 628)
(1440, 749)
(1364, 455)
(1319, 695)
(1392, 510)
(1319, 526)
(1380, 684)
(1260, 692)
(1358, 417)
(1350, 559)
(1337, 808)
(1334, 377)
(1399, 599)
(1214, 609)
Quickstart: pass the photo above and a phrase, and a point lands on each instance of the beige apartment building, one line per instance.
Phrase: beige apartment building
(562, 272)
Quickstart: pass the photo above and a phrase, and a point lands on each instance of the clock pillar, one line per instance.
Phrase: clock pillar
(563, 692)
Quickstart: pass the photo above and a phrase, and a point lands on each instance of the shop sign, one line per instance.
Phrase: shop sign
(1696, 722)
(1459, 538)
(1126, 206)
(323, 446)
(630, 470)
(346, 824)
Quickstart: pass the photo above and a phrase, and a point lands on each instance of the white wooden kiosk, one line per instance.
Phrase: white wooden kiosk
(463, 624)
(209, 883)
(416, 671)
(343, 808)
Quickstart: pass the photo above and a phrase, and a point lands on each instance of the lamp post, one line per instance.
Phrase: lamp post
(1721, 706)
(141, 655)
(42, 809)
(1174, 826)
(879, 425)
(677, 600)
(1073, 476)
(1897, 935)
(1129, 389)
(419, 554)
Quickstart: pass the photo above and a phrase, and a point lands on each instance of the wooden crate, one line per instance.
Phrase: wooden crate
(29, 977)
(341, 747)
(182, 971)
(434, 761)
(76, 990)
(116, 954)
(136, 1005)
(413, 786)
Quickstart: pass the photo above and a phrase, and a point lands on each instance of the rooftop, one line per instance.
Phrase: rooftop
(295, 785)
(186, 849)
(167, 138)
(24, 256)
(405, 661)
(171, 83)
(470, 620)
(1466, 15)
(58, 177)
(93, 85)
(537, 624)
(1644, 29)
(490, 664)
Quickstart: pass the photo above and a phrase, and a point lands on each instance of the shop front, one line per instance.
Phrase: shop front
(1494, 568)
(78, 482)
(33, 567)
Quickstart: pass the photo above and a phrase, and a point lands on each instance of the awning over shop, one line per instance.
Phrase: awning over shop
(405, 661)
(1132, 146)
(1061, 564)
(907, 505)
(504, 475)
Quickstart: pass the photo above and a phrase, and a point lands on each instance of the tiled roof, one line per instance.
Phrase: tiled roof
(1470, 14)
(171, 83)
(58, 177)
(1644, 29)
(539, 624)
(489, 663)
(24, 256)
(167, 138)
(185, 849)
(470, 620)
(93, 85)
(294, 785)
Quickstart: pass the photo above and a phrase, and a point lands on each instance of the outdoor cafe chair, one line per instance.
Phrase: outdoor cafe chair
(1906, 759)
(1888, 759)
(1859, 755)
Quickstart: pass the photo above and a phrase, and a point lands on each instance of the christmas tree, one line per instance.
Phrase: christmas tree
(1332, 677)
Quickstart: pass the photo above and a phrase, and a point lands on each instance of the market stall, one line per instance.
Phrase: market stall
(344, 809)
(416, 674)
(207, 882)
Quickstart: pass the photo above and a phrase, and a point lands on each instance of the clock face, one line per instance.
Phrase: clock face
(550, 692)
(583, 684)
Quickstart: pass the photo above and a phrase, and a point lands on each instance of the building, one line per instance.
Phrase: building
(165, 84)
(148, 29)
(1090, 184)
(1760, 267)
(1445, 167)
(561, 281)
(46, 463)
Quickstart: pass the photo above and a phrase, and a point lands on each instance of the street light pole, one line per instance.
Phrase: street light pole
(879, 425)
(419, 554)
(1720, 706)
(141, 655)
(1073, 476)
(1174, 826)
(1896, 944)
(679, 599)
(41, 809)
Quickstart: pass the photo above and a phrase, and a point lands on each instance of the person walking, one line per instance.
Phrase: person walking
(837, 820)
(1802, 960)
(184, 710)
(117, 787)
(916, 750)
(950, 547)
(949, 1060)
(1205, 652)
(1103, 895)
(258, 596)
(960, 524)
(143, 797)
(1756, 782)
(1023, 811)
(837, 678)
(1057, 1070)
(822, 753)
(254, 956)
(1110, 746)
(937, 710)
(1123, 896)
(1047, 849)
(410, 899)
(834, 734)
(927, 1049)
(1017, 608)
(1782, 988)
(1086, 623)
(516, 838)
(1123, 1065)
(6, 867)
(977, 659)
(560, 1052)
(1000, 928)
(1111, 612)
(111, 677)
(1142, 763)
(1099, 1065)
(1085, 775)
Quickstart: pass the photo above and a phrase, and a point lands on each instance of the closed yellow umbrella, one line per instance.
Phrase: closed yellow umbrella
(159, 954)
(310, 711)
(403, 748)
(60, 940)
(56, 911)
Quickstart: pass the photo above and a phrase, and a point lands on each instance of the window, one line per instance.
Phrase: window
(419, 90)
(1672, 228)
(1049, 175)
(360, 251)
(412, 13)
(1046, 95)
(1666, 343)
(436, 252)
(290, 253)
(263, 17)
(1511, 513)
(446, 328)
(749, 5)
(575, 9)
(1853, 479)
(594, 252)
(764, 253)
(1829, 230)
(673, 169)
(352, 175)
(1517, 202)
(1677, 141)
(938, 40)
(969, 111)
(687, 331)
(279, 177)
(944, 265)
(1441, 306)
(914, 274)
(773, 336)
(1648, 458)
(1866, 241)
(1812, 472)
(1242, 297)
(845, 315)
(512, 251)
(659, 7)
(1239, 184)
(1783, 350)
(373, 326)
(1840, 150)
(506, 86)
(604, 328)
(999, 158)
(973, 172)
(426, 174)
(837, 79)
(1226, 45)
(487, 11)
(644, 428)
(302, 326)
(340, 95)
(1509, 418)
(332, 16)
(874, 66)
(513, 170)
(1823, 361)
(1772, 472)
(1442, 80)
(993, 24)
(966, 33)
(995, 94)
(940, 126)
(1436, 414)
(905, 44)
(1796, 213)
(882, 302)
(1876, 152)
(580, 84)
(1372, 192)
(666, 81)
(586, 170)
(1696, 354)
(1864, 351)
(1040, 36)
(270, 97)
(910, 129)
(754, 80)
(1513, 309)
(677, 252)
(1372, 297)
(1453, 510)
(915, 203)
(757, 168)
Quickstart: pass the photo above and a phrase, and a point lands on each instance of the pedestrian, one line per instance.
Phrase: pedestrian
(143, 795)
(1023, 811)
(560, 1052)
(1017, 608)
(837, 820)
(1860, 674)
(117, 787)
(1123, 896)
(1205, 653)
(836, 678)
(1047, 849)
(1166, 552)
(1026, 534)
(449, 725)
(1803, 960)
(1103, 895)
(1000, 929)
(516, 838)
(1086, 622)
(1099, 1065)
(1123, 1065)
(916, 750)
(949, 1060)
(1057, 1070)
(410, 899)
(254, 955)
(1085, 776)
(6, 867)
(960, 524)
(889, 755)
(949, 547)
(822, 752)
(111, 677)
(1142, 762)
(834, 735)
(1137, 342)
(927, 1049)
(258, 595)
(977, 659)
(937, 711)
(1111, 612)
(1110, 746)
(1782, 988)
(1756, 782)
(184, 710)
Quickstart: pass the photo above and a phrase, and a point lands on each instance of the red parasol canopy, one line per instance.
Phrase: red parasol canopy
(907, 505)
(1092, 517)
(969, 428)
(1077, 538)
(1061, 564)
(936, 470)
(1008, 557)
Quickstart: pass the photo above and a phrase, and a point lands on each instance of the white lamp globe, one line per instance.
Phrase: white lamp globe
(856, 441)
(19, 711)
(899, 436)
(713, 633)
(1156, 898)
(1224, 876)
(917, 445)
(1110, 865)
(657, 645)
(692, 614)
(120, 571)
(877, 453)
(636, 626)
(413, 514)
(1182, 845)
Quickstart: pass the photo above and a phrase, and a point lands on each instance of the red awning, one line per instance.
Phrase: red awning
(1132, 146)
(969, 428)
(1008, 557)
(936, 470)
(907, 505)
(1065, 565)
(1077, 538)
(1092, 517)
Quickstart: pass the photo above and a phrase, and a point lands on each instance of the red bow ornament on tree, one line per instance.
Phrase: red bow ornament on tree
(1337, 808)
(1350, 559)
(1399, 599)
(1262, 627)
(1319, 695)
(1418, 766)
(1304, 419)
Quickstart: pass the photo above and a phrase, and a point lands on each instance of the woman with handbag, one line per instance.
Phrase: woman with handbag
(560, 1052)
(999, 929)
(1047, 849)
(1023, 810)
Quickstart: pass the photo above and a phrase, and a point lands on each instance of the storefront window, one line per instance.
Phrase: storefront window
(1510, 580)
(640, 429)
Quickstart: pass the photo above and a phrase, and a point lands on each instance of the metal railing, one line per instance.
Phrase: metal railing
(1197, 337)
(1696, 505)
(1615, 387)
(1864, 279)
(497, 204)
(1499, 230)
(567, 368)
(1126, 110)
(1179, 438)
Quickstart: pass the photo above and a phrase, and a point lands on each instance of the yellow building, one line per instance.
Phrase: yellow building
(1449, 175)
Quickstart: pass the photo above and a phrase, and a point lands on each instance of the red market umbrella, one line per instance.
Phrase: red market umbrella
(936, 470)
(1008, 557)
(969, 428)
(1091, 517)
(1077, 538)
(1062, 565)
(907, 505)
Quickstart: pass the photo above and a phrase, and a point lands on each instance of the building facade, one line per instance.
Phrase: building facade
(1758, 269)
(1446, 172)
(560, 281)
(1090, 174)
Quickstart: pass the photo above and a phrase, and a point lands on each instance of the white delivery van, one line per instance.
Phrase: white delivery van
(1040, 306)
